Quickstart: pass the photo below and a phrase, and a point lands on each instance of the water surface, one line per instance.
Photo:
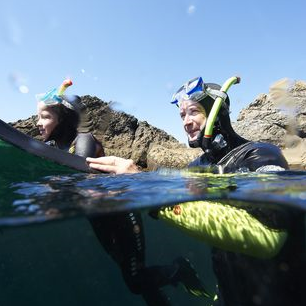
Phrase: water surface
(50, 255)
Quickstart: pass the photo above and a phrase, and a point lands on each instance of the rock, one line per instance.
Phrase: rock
(28, 126)
(178, 157)
(124, 136)
(296, 156)
(278, 117)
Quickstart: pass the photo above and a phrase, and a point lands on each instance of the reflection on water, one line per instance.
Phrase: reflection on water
(117, 246)
(98, 194)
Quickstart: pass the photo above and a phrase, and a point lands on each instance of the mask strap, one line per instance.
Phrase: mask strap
(214, 93)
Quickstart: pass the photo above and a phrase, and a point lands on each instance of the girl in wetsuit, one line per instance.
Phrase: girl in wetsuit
(121, 235)
(58, 126)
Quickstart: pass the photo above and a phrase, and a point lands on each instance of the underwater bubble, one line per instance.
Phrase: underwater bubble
(30, 189)
(21, 208)
(83, 70)
(303, 196)
(22, 202)
(33, 208)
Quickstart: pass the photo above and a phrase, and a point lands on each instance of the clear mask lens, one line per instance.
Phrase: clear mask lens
(194, 85)
(194, 90)
(177, 96)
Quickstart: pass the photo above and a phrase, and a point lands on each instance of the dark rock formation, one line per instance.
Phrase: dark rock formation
(278, 117)
(124, 136)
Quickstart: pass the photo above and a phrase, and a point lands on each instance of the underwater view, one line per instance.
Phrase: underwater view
(144, 161)
(51, 255)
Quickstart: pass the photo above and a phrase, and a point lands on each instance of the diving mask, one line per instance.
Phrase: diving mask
(49, 98)
(195, 90)
(54, 96)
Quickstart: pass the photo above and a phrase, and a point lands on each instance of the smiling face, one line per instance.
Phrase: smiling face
(47, 120)
(194, 118)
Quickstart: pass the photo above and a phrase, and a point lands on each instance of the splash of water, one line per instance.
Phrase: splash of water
(282, 97)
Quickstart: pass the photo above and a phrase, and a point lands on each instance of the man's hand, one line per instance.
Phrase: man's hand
(112, 164)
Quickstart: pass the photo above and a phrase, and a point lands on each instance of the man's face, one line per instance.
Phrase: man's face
(194, 118)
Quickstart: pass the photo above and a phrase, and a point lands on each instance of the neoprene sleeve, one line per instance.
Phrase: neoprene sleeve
(226, 227)
(84, 145)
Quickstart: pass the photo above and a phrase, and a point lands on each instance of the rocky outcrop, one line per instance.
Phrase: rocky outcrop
(124, 136)
(278, 117)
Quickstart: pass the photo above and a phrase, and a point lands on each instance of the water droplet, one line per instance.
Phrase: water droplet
(18, 82)
(23, 89)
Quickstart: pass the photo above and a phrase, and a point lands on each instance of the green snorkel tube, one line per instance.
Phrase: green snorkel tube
(212, 117)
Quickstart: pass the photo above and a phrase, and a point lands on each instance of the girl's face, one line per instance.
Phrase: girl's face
(194, 118)
(47, 120)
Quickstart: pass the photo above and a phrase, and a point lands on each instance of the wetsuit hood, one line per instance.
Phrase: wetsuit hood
(224, 137)
(66, 130)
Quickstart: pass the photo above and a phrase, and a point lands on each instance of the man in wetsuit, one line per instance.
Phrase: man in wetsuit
(258, 256)
(274, 273)
(225, 149)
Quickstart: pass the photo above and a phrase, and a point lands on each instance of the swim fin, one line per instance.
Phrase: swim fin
(187, 275)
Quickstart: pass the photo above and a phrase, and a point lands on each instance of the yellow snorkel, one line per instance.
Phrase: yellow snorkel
(217, 105)
(207, 134)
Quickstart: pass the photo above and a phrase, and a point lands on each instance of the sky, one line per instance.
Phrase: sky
(137, 53)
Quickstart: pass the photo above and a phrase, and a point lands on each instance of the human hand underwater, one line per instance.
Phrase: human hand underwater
(112, 164)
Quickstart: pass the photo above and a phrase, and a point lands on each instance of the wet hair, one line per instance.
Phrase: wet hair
(68, 121)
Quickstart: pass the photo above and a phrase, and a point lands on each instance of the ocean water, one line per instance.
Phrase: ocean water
(50, 254)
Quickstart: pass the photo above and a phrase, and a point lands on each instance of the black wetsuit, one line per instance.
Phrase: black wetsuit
(246, 280)
(249, 156)
(122, 236)
(84, 144)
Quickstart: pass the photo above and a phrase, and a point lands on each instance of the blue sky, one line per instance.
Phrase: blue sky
(138, 52)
